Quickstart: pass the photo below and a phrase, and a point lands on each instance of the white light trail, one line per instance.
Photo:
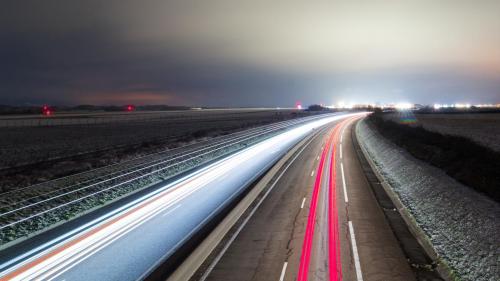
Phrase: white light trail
(63, 256)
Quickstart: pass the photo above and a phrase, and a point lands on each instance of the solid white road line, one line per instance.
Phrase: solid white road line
(343, 182)
(283, 271)
(340, 150)
(342, 134)
(303, 202)
(355, 253)
(312, 173)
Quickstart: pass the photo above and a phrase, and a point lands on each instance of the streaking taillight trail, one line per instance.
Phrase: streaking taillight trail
(201, 194)
(334, 256)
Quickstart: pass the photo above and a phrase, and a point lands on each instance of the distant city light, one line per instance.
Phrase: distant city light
(342, 105)
(130, 107)
(410, 106)
(403, 106)
(46, 110)
(438, 106)
(488, 105)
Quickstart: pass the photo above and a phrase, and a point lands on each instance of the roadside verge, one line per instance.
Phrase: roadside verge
(456, 226)
(410, 221)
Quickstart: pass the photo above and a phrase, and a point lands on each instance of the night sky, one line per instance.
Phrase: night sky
(248, 53)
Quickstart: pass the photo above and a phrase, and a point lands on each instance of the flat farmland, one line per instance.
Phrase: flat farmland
(483, 128)
(29, 209)
(42, 152)
(103, 117)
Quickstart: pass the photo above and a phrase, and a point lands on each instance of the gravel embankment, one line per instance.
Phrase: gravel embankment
(462, 225)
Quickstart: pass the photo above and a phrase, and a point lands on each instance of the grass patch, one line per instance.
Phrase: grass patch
(463, 159)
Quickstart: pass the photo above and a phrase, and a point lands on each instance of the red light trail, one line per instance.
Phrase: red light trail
(308, 238)
(334, 260)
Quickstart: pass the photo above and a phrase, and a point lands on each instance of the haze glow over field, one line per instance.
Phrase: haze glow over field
(249, 53)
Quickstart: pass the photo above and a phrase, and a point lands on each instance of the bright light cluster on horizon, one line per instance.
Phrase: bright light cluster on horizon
(488, 105)
(408, 105)
(456, 105)
(342, 104)
(404, 105)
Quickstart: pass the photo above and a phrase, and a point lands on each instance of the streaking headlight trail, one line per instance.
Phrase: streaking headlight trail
(128, 243)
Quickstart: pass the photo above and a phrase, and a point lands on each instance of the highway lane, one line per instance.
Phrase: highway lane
(380, 256)
(132, 241)
(359, 246)
(274, 234)
(315, 249)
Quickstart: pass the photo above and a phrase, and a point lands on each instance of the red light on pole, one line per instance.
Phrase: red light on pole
(298, 105)
(130, 107)
(47, 111)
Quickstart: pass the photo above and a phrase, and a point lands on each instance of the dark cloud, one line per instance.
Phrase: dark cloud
(222, 54)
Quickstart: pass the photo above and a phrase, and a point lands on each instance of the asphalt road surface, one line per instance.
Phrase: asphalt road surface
(320, 222)
(129, 242)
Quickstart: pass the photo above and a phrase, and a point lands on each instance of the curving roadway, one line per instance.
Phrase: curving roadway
(129, 242)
